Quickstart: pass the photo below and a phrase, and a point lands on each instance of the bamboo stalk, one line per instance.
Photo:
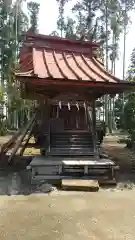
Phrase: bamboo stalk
(124, 55)
(106, 96)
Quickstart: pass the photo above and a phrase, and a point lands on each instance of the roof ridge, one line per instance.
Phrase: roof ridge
(42, 37)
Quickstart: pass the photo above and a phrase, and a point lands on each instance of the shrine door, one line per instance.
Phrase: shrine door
(74, 119)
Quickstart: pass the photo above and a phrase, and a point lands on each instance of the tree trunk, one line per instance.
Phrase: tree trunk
(106, 96)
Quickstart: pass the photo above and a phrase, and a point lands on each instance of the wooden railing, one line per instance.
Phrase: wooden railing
(21, 137)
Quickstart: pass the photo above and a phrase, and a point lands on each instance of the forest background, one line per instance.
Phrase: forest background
(104, 21)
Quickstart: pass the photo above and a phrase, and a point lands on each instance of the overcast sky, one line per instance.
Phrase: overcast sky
(47, 23)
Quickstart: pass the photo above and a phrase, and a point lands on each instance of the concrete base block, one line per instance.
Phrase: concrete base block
(107, 182)
(80, 185)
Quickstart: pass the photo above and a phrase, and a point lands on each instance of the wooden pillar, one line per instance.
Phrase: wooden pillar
(57, 107)
(94, 127)
(45, 110)
(45, 116)
(86, 113)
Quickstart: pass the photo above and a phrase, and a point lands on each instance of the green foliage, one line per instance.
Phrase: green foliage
(33, 8)
(3, 128)
(102, 21)
(12, 22)
(69, 29)
(61, 18)
(131, 70)
(89, 22)
(129, 105)
(129, 113)
(118, 112)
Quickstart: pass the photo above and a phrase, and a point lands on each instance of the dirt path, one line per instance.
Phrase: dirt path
(105, 215)
(64, 215)
(122, 155)
(4, 139)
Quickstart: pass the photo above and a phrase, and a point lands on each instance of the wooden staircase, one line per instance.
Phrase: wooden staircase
(71, 143)
(70, 155)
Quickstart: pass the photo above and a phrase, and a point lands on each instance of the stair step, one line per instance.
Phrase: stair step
(81, 137)
(69, 152)
(72, 133)
(71, 149)
(70, 140)
(71, 143)
(71, 146)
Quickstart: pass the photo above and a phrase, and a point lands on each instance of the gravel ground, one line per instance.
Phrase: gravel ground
(68, 216)
(104, 215)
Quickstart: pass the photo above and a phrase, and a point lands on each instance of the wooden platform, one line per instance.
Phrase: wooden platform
(45, 161)
(75, 173)
(80, 185)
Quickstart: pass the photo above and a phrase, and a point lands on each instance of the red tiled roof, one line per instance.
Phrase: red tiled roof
(63, 65)
(47, 63)
(68, 65)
